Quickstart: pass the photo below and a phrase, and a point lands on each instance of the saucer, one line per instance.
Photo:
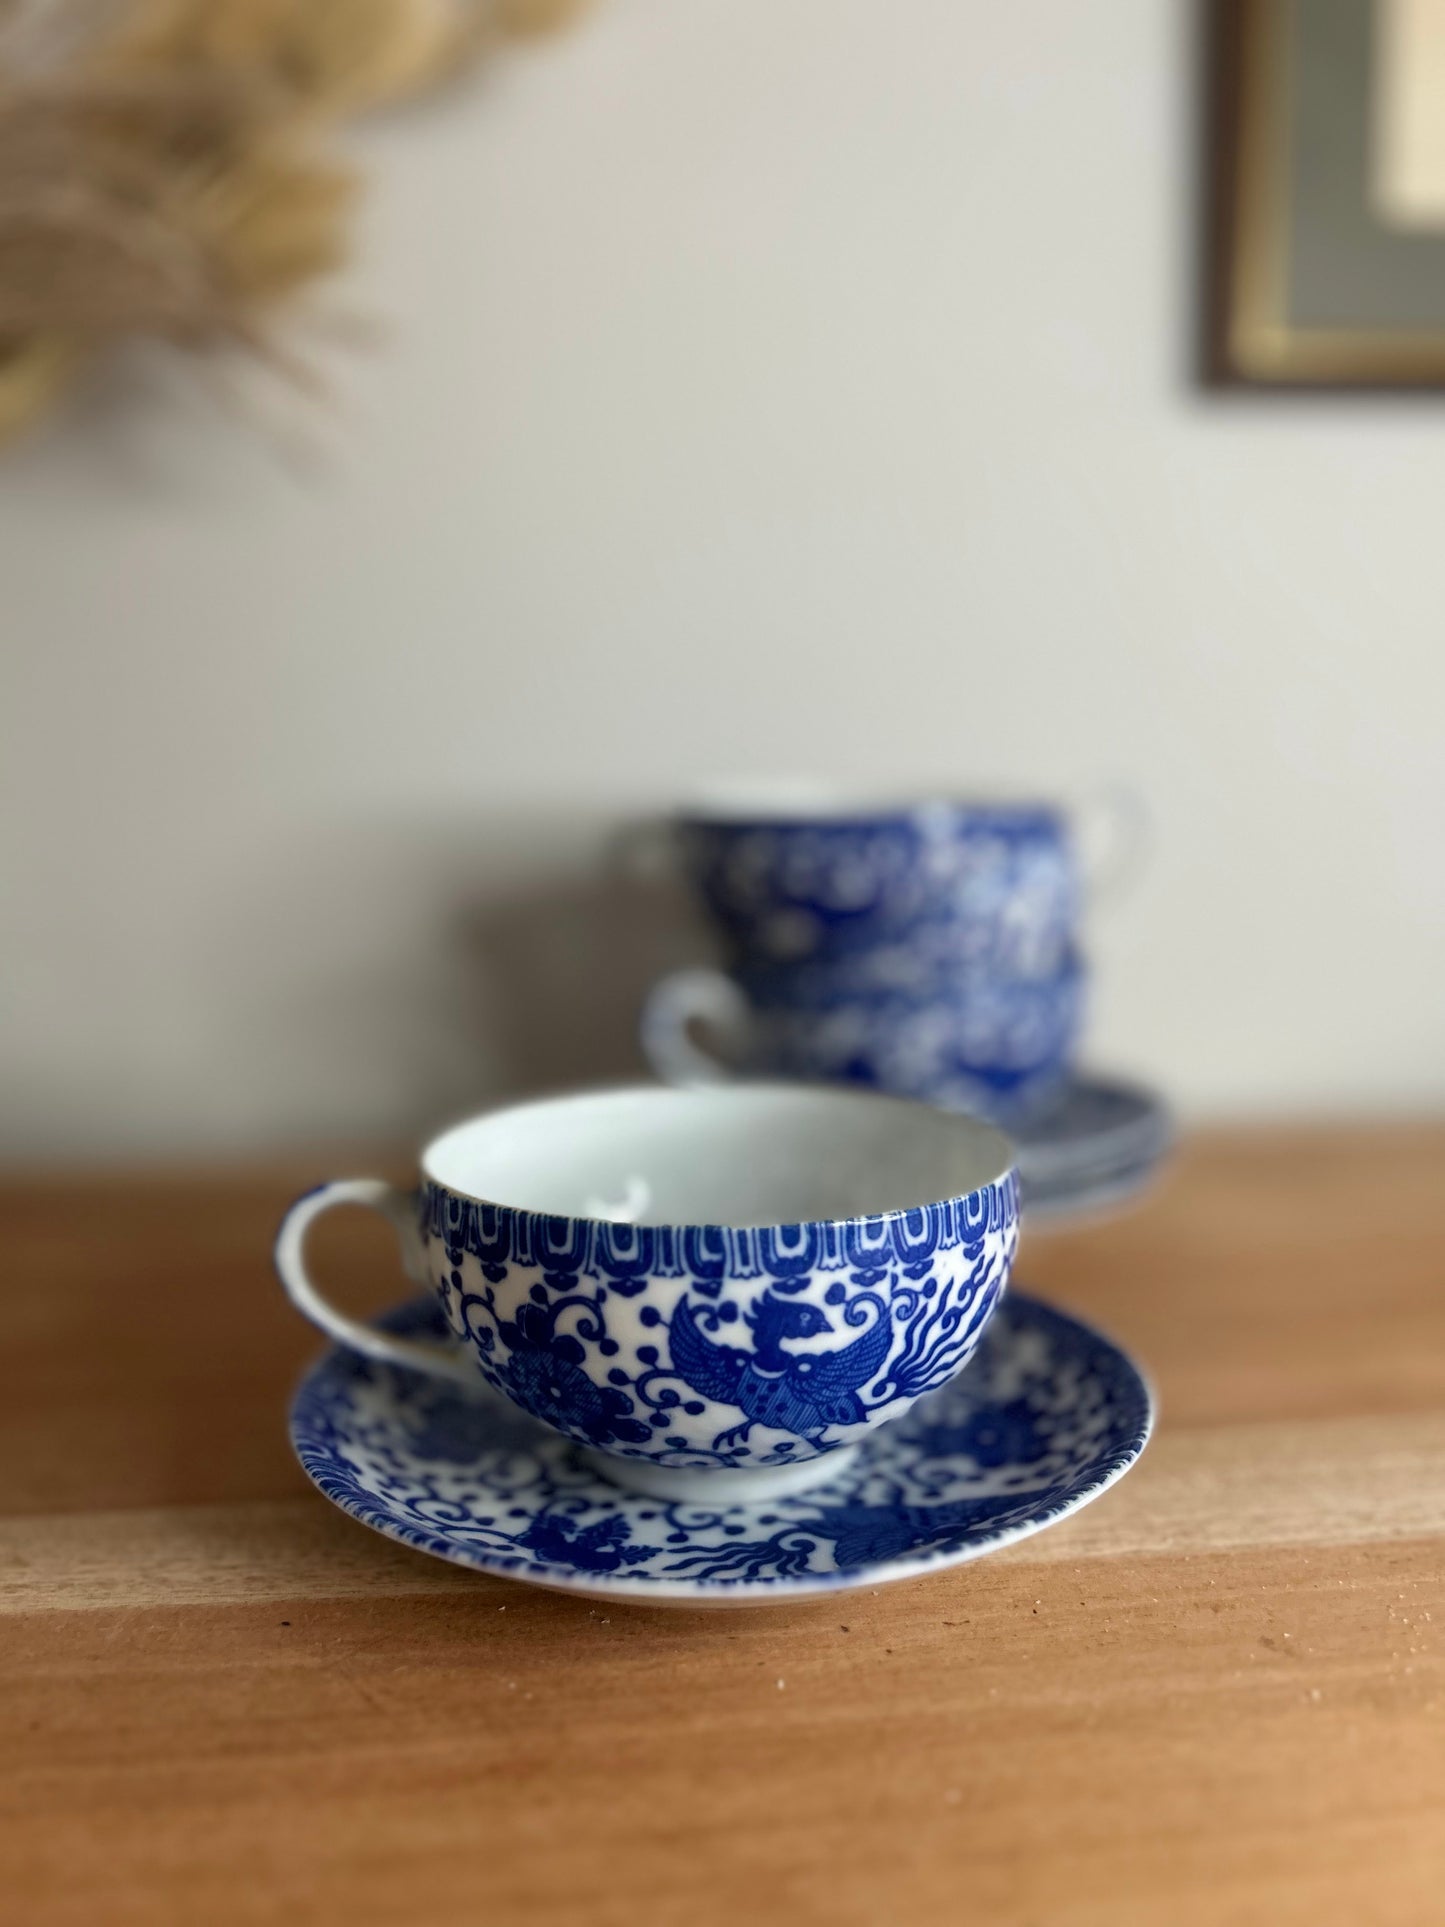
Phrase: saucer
(1047, 1414)
(1098, 1144)
(1102, 1194)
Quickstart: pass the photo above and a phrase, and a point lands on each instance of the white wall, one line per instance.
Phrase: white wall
(769, 387)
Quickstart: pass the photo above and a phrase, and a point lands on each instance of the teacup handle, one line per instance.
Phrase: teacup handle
(442, 1361)
(673, 1006)
(1112, 828)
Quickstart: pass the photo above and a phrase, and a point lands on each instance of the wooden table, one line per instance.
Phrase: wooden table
(1216, 1696)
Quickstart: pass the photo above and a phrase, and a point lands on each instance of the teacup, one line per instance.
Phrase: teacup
(947, 883)
(975, 1042)
(715, 1293)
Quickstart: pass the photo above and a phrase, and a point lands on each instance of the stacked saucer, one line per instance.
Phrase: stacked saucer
(1097, 1146)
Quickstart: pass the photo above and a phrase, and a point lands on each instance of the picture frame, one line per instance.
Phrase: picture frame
(1326, 242)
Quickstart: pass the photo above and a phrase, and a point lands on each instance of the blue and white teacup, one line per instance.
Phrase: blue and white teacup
(875, 888)
(975, 1041)
(715, 1293)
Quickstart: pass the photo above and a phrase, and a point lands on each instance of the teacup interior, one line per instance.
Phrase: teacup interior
(803, 803)
(753, 1154)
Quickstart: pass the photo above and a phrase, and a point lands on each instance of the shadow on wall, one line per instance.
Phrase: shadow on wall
(377, 979)
(558, 971)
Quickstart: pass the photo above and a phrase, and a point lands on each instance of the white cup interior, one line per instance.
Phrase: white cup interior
(754, 1154)
(803, 801)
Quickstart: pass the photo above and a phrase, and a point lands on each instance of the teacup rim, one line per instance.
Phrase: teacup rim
(743, 806)
(1004, 1171)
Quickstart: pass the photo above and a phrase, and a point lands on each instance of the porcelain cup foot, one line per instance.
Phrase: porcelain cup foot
(722, 1485)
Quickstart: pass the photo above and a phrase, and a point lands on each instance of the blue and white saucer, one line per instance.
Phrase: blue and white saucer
(1045, 1417)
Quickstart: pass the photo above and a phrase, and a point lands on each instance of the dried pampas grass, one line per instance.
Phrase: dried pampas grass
(166, 168)
(333, 56)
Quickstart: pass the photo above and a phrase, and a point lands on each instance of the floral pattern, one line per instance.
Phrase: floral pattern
(1046, 1416)
(930, 951)
(978, 1043)
(995, 886)
(715, 1345)
(544, 1373)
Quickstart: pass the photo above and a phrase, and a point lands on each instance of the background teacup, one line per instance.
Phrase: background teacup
(928, 949)
(878, 887)
(977, 1042)
(714, 1292)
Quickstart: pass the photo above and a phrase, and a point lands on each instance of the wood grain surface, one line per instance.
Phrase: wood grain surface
(1217, 1695)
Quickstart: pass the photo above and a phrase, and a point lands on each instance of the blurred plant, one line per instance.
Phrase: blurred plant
(167, 167)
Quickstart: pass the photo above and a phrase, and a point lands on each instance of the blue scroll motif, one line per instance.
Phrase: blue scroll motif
(714, 1344)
